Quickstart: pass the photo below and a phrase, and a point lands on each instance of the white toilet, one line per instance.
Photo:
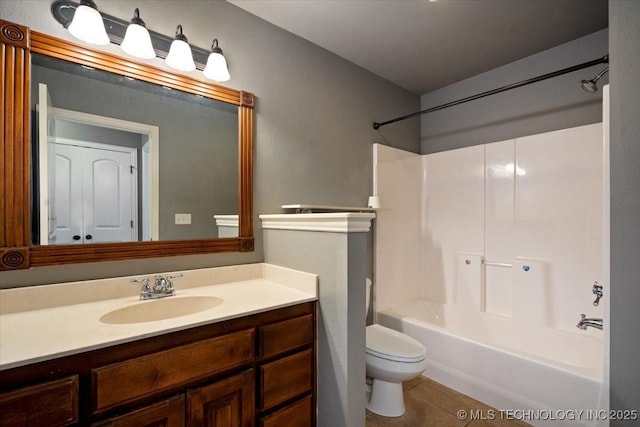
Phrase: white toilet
(392, 357)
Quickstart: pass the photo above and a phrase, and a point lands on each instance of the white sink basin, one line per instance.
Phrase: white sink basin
(160, 309)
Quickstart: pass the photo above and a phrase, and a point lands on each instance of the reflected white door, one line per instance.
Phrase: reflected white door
(95, 190)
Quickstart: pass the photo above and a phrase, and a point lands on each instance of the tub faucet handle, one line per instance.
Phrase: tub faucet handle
(597, 291)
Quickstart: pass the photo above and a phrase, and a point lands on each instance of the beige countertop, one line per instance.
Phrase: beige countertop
(44, 322)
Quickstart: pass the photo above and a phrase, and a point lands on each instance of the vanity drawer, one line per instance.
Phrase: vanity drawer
(298, 414)
(167, 413)
(286, 335)
(286, 378)
(53, 403)
(142, 376)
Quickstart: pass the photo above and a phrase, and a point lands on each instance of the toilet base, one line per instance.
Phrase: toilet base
(386, 399)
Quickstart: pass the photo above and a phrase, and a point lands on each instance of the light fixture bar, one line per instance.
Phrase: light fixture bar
(63, 11)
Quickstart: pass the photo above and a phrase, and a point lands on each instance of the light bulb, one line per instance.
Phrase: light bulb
(180, 57)
(216, 68)
(87, 24)
(137, 41)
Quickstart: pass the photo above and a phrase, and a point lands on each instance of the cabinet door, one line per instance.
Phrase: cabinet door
(225, 403)
(167, 413)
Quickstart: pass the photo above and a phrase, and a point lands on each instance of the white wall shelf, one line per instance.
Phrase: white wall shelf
(307, 208)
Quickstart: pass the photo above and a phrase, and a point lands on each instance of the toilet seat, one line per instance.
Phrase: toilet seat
(392, 345)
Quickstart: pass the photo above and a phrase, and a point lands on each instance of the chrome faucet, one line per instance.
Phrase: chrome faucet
(587, 321)
(162, 287)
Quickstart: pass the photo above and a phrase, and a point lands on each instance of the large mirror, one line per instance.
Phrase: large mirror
(119, 159)
(114, 159)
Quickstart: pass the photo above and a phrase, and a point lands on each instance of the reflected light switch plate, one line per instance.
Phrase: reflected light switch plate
(183, 218)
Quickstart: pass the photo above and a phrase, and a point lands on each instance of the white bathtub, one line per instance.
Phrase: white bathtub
(504, 364)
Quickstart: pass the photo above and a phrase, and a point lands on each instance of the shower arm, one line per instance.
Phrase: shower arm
(600, 74)
(603, 60)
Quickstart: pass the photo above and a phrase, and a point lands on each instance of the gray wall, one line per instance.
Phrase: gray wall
(624, 43)
(339, 260)
(548, 105)
(314, 110)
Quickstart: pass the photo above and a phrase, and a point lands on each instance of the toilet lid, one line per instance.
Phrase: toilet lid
(393, 345)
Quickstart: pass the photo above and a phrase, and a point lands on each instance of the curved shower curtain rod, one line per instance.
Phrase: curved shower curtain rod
(603, 60)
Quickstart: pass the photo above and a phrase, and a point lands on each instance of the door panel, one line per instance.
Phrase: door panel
(94, 193)
(107, 196)
(68, 200)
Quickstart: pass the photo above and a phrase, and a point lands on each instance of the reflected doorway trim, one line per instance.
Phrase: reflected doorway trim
(152, 156)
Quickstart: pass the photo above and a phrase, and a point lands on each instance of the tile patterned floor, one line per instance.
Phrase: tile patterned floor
(430, 404)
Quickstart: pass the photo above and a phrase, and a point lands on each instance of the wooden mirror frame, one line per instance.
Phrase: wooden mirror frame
(16, 250)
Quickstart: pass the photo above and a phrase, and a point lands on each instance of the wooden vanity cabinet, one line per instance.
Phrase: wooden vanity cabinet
(286, 374)
(166, 413)
(52, 403)
(258, 370)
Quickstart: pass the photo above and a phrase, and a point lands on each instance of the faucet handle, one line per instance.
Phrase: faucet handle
(170, 281)
(145, 284)
(597, 291)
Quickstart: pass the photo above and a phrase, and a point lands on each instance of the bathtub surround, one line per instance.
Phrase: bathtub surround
(333, 246)
(509, 242)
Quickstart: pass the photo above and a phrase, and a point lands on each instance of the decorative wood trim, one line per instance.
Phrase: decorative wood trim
(71, 254)
(16, 44)
(245, 168)
(14, 258)
(14, 34)
(246, 244)
(247, 99)
(15, 71)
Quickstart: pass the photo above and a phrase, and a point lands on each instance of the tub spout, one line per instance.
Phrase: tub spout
(586, 322)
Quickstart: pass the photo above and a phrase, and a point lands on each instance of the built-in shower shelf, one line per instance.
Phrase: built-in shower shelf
(306, 208)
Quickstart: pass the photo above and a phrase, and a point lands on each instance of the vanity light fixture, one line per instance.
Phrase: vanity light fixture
(176, 51)
(180, 56)
(137, 41)
(216, 68)
(87, 24)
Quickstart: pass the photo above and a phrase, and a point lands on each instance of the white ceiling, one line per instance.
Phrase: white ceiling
(424, 45)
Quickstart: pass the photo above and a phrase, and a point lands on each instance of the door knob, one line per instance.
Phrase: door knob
(76, 237)
(88, 237)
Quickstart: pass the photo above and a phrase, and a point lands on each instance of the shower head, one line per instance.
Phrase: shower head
(590, 85)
